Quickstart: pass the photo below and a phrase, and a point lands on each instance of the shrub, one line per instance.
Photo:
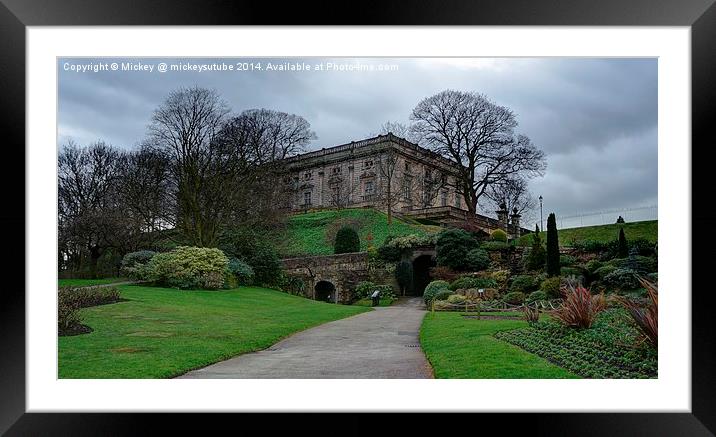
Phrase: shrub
(531, 314)
(366, 288)
(551, 286)
(622, 279)
(477, 259)
(623, 249)
(70, 300)
(347, 241)
(537, 296)
(452, 247)
(404, 276)
(514, 298)
(133, 264)
(68, 316)
(494, 245)
(645, 317)
(591, 246)
(566, 260)
(537, 256)
(469, 282)
(603, 271)
(443, 272)
(253, 248)
(242, 272)
(189, 268)
(443, 295)
(456, 299)
(390, 253)
(638, 263)
(593, 265)
(498, 235)
(433, 289)
(643, 246)
(501, 276)
(523, 284)
(579, 308)
(553, 267)
(293, 285)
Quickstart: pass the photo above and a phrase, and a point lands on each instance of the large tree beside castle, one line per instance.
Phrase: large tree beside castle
(480, 135)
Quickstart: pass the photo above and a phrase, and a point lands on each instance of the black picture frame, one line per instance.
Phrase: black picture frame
(700, 15)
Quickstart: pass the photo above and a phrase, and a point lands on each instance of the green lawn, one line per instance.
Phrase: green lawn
(646, 229)
(313, 233)
(88, 282)
(465, 348)
(160, 333)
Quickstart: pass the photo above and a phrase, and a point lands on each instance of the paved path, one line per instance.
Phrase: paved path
(382, 343)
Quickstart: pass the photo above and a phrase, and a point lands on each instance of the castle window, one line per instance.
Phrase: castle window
(443, 198)
(428, 173)
(457, 200)
(307, 175)
(336, 170)
(307, 198)
(367, 165)
(407, 167)
(336, 195)
(369, 188)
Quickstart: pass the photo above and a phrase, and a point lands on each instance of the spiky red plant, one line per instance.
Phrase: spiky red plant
(579, 308)
(645, 316)
(531, 314)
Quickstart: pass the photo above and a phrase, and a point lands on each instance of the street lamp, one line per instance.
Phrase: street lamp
(541, 224)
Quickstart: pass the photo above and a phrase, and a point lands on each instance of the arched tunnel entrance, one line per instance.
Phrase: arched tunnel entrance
(421, 273)
(325, 291)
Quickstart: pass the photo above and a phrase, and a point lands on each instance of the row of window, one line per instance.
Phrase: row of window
(368, 164)
(370, 190)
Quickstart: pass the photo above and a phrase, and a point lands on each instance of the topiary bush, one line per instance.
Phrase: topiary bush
(514, 298)
(553, 267)
(433, 289)
(551, 286)
(189, 268)
(537, 296)
(469, 282)
(498, 235)
(523, 284)
(347, 241)
(452, 247)
(242, 272)
(133, 264)
(477, 259)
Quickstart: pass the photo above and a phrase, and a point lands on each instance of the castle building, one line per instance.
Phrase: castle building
(381, 172)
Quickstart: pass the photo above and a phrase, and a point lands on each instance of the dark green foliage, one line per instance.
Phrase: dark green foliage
(468, 282)
(404, 276)
(638, 263)
(537, 296)
(623, 248)
(389, 253)
(537, 255)
(366, 288)
(523, 283)
(433, 289)
(603, 271)
(643, 246)
(242, 272)
(494, 245)
(566, 260)
(498, 235)
(593, 265)
(347, 241)
(551, 286)
(611, 348)
(452, 248)
(477, 259)
(70, 300)
(443, 294)
(133, 263)
(622, 279)
(553, 267)
(514, 298)
(252, 247)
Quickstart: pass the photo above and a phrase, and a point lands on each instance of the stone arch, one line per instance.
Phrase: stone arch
(421, 272)
(325, 291)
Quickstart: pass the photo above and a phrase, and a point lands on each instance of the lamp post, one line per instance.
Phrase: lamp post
(541, 225)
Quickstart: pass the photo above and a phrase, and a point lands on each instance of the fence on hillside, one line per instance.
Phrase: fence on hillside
(576, 220)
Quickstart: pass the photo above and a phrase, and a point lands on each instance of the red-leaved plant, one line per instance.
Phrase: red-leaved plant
(645, 316)
(579, 308)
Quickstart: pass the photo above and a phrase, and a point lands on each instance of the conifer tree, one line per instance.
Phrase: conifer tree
(553, 268)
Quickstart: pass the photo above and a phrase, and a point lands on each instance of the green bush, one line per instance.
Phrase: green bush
(498, 235)
(603, 271)
(189, 268)
(347, 241)
(443, 295)
(469, 282)
(71, 299)
(242, 272)
(537, 256)
(253, 248)
(366, 288)
(433, 289)
(593, 265)
(551, 286)
(553, 267)
(494, 245)
(404, 276)
(133, 263)
(478, 259)
(537, 296)
(567, 260)
(390, 253)
(639, 263)
(452, 247)
(622, 279)
(623, 248)
(501, 276)
(456, 299)
(514, 298)
(523, 284)
(643, 246)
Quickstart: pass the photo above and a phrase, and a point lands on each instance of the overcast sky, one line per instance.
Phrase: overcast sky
(595, 119)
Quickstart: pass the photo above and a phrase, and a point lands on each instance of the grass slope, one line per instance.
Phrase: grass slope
(313, 233)
(465, 348)
(646, 229)
(88, 282)
(160, 333)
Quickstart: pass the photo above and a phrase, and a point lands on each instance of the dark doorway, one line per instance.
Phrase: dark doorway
(421, 273)
(325, 291)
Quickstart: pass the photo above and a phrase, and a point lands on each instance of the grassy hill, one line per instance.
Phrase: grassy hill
(313, 233)
(646, 229)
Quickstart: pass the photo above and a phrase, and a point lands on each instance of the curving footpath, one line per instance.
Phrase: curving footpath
(383, 343)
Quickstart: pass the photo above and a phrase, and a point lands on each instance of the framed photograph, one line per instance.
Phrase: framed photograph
(278, 218)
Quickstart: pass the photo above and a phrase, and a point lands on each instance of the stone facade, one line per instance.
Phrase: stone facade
(343, 272)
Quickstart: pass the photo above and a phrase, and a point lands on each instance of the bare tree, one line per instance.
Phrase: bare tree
(398, 129)
(479, 134)
(389, 176)
(514, 193)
